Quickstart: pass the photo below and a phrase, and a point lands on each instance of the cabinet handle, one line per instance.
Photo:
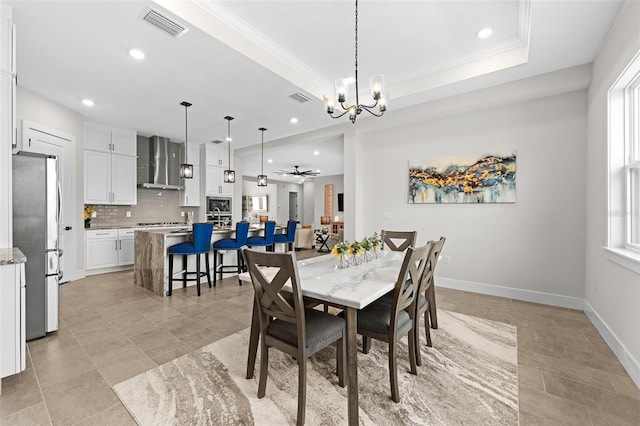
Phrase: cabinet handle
(101, 233)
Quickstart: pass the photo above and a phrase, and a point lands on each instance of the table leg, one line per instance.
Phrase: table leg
(253, 342)
(352, 365)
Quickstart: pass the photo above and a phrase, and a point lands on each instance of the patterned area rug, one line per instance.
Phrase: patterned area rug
(469, 376)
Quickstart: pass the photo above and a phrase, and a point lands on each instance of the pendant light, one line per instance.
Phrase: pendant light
(262, 178)
(186, 169)
(229, 175)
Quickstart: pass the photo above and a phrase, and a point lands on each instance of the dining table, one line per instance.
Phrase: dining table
(349, 289)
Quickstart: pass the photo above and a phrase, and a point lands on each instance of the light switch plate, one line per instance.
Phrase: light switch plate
(386, 215)
(128, 213)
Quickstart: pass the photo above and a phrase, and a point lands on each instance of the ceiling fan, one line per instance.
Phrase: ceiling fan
(297, 172)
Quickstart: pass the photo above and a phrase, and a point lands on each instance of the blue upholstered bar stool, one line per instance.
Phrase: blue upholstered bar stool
(201, 244)
(266, 240)
(289, 237)
(242, 231)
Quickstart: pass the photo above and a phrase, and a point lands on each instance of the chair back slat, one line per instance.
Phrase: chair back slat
(415, 260)
(433, 260)
(272, 300)
(399, 240)
(427, 270)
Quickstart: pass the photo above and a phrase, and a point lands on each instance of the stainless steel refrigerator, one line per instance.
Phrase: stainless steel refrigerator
(36, 214)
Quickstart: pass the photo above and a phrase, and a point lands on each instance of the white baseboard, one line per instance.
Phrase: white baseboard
(512, 293)
(624, 356)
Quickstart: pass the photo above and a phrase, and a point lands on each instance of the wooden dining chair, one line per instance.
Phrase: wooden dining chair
(388, 323)
(285, 323)
(430, 288)
(398, 240)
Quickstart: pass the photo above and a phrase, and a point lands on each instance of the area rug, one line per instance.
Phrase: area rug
(469, 376)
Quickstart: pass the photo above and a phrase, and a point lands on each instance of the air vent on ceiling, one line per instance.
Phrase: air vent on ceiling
(217, 141)
(300, 97)
(163, 23)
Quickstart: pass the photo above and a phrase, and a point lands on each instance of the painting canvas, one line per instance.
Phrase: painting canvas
(469, 178)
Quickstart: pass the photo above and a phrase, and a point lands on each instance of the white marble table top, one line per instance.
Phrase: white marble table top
(354, 287)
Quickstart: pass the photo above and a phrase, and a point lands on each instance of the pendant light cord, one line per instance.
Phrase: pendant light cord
(357, 98)
(186, 133)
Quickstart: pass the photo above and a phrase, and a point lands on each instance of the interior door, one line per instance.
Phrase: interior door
(44, 140)
(293, 206)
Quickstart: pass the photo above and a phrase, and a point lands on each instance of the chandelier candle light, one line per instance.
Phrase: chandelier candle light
(186, 169)
(262, 178)
(376, 84)
(229, 175)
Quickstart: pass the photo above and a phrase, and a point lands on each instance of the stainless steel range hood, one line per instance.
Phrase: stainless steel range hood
(159, 163)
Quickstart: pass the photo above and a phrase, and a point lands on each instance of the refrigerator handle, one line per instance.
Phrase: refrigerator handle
(59, 202)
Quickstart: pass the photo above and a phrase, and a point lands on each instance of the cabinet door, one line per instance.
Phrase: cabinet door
(213, 176)
(123, 179)
(216, 155)
(125, 246)
(123, 141)
(102, 253)
(10, 317)
(97, 137)
(191, 193)
(97, 178)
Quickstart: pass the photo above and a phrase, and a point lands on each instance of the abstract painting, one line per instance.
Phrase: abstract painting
(460, 179)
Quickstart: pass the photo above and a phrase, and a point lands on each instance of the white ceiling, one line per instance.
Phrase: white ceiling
(245, 58)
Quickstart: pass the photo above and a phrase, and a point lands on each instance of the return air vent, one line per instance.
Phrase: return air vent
(300, 97)
(217, 141)
(163, 23)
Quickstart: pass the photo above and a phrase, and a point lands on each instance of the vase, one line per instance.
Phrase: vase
(341, 262)
(87, 223)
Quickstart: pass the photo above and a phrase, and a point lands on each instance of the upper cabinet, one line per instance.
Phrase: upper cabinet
(109, 165)
(98, 137)
(214, 161)
(214, 155)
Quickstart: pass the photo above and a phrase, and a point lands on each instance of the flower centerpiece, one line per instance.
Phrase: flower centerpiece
(340, 250)
(367, 246)
(88, 209)
(376, 244)
(355, 250)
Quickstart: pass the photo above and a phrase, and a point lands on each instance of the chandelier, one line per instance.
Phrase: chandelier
(376, 84)
(229, 175)
(262, 178)
(186, 169)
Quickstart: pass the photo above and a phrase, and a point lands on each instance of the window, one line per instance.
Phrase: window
(624, 163)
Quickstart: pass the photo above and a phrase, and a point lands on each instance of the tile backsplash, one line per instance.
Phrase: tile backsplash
(154, 205)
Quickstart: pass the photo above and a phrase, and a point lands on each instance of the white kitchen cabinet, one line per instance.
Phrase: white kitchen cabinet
(98, 137)
(12, 319)
(109, 248)
(109, 178)
(191, 193)
(214, 154)
(214, 182)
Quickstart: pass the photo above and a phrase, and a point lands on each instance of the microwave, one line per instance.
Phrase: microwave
(219, 205)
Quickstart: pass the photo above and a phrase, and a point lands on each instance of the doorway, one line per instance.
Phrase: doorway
(43, 140)
(293, 206)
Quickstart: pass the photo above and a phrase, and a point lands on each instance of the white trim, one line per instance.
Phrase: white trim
(512, 293)
(624, 257)
(619, 349)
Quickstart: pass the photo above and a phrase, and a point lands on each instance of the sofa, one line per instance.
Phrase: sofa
(305, 238)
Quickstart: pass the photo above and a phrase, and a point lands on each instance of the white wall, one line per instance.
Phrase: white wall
(38, 109)
(613, 303)
(309, 191)
(535, 244)
(283, 200)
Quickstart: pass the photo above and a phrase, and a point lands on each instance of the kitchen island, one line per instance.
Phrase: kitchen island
(151, 263)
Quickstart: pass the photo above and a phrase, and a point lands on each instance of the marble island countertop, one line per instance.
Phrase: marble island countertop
(11, 256)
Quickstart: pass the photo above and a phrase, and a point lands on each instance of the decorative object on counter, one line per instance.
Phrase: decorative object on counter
(201, 245)
(262, 178)
(229, 175)
(340, 251)
(186, 169)
(190, 218)
(356, 250)
(376, 84)
(88, 210)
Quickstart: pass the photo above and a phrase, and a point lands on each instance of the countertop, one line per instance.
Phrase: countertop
(10, 256)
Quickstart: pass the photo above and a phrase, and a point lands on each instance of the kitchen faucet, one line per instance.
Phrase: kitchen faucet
(217, 210)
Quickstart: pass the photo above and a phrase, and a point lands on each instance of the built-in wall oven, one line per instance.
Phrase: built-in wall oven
(219, 205)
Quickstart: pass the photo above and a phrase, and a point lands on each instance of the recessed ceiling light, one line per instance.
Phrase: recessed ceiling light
(88, 102)
(317, 170)
(316, 152)
(485, 33)
(293, 120)
(269, 160)
(136, 53)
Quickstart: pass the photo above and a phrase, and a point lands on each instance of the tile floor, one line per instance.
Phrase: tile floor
(111, 330)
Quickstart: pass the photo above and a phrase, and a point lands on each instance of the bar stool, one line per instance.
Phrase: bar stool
(267, 239)
(242, 231)
(289, 237)
(201, 244)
